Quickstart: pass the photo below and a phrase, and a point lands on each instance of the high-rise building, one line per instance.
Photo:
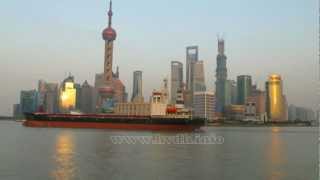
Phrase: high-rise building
(42, 89)
(285, 108)
(137, 87)
(99, 80)
(234, 92)
(120, 95)
(192, 56)
(244, 86)
(176, 79)
(199, 84)
(87, 98)
(292, 113)
(68, 95)
(251, 110)
(110, 88)
(48, 96)
(204, 105)
(221, 77)
(51, 99)
(230, 92)
(301, 114)
(16, 111)
(29, 101)
(275, 102)
(78, 96)
(257, 101)
(179, 100)
(259, 97)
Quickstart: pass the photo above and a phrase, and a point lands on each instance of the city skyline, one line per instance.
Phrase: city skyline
(56, 74)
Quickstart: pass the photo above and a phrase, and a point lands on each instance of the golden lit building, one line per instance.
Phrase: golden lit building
(67, 97)
(275, 101)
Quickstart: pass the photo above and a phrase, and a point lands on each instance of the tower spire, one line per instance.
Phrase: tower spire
(110, 13)
(220, 45)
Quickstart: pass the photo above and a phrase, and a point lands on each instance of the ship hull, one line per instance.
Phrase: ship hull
(92, 125)
(112, 122)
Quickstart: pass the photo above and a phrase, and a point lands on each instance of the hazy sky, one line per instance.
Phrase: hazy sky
(45, 39)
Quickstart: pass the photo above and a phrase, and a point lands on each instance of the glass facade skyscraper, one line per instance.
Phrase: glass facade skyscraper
(221, 77)
(276, 101)
(29, 101)
(137, 85)
(244, 86)
(199, 84)
(176, 79)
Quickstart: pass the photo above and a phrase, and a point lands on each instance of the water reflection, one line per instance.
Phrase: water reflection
(64, 154)
(276, 156)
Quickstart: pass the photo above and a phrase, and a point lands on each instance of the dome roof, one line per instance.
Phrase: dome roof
(109, 34)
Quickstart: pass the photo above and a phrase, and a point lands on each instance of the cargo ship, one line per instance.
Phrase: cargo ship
(157, 115)
(109, 121)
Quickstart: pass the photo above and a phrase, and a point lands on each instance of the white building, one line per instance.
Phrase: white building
(204, 105)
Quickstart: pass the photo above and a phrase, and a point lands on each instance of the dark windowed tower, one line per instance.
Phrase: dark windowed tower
(137, 86)
(221, 77)
(192, 55)
(176, 80)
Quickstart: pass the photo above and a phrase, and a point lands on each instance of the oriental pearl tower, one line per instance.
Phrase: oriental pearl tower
(107, 90)
(109, 35)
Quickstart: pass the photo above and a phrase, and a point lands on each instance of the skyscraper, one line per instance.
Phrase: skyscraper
(51, 100)
(48, 96)
(230, 92)
(68, 95)
(137, 87)
(29, 101)
(78, 95)
(276, 101)
(199, 84)
(42, 92)
(87, 98)
(176, 79)
(111, 89)
(16, 111)
(244, 86)
(192, 56)
(221, 77)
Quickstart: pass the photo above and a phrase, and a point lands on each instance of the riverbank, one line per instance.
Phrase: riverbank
(260, 124)
(6, 118)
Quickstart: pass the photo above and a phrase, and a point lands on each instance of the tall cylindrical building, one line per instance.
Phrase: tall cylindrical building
(275, 99)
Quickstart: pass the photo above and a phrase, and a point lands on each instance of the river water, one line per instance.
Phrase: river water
(261, 153)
